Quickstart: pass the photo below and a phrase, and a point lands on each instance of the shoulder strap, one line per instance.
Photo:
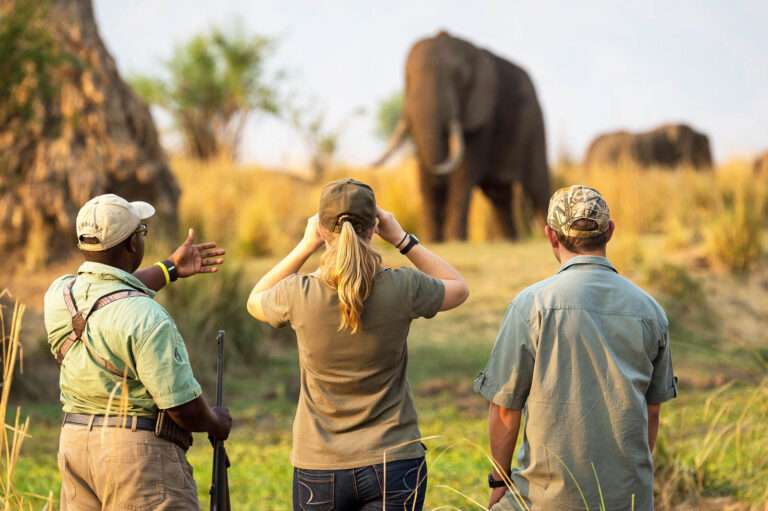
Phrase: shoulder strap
(79, 321)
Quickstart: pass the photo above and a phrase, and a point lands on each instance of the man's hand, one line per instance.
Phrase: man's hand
(496, 496)
(192, 258)
(223, 423)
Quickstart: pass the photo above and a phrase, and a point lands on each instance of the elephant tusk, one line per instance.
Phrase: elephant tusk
(455, 150)
(395, 141)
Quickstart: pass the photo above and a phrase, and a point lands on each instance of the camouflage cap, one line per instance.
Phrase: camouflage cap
(578, 202)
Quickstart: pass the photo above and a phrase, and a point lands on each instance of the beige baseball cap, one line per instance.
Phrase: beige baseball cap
(109, 219)
(578, 202)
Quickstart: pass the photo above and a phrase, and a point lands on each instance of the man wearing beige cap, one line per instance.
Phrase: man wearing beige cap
(584, 356)
(129, 397)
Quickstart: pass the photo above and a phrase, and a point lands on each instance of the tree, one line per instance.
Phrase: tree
(216, 81)
(70, 128)
(321, 140)
(388, 115)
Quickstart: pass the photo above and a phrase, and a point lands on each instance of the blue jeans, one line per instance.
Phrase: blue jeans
(362, 489)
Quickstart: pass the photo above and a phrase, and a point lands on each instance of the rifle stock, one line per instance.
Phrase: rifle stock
(220, 481)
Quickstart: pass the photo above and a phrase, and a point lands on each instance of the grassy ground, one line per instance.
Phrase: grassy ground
(712, 438)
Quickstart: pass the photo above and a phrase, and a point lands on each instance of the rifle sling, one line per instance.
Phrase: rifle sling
(79, 322)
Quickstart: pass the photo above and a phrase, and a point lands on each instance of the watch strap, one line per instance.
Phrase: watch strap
(173, 273)
(412, 242)
(405, 237)
(495, 483)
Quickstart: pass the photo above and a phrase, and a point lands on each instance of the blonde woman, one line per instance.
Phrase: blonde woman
(351, 319)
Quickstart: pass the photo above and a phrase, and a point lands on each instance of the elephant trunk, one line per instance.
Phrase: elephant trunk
(395, 141)
(455, 150)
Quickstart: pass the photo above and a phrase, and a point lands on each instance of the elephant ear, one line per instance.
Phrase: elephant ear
(483, 92)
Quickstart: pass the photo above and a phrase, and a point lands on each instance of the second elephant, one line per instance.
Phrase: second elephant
(669, 145)
(476, 121)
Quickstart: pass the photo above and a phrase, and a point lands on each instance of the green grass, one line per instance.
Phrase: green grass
(702, 451)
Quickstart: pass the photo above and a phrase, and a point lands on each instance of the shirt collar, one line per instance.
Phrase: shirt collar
(588, 260)
(106, 272)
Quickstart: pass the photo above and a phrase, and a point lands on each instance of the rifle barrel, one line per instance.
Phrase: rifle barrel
(220, 369)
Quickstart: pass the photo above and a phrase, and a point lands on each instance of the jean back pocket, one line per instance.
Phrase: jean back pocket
(316, 491)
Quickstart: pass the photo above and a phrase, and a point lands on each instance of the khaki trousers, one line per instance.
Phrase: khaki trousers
(119, 469)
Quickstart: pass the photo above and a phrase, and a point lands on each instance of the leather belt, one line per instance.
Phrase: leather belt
(163, 427)
(112, 421)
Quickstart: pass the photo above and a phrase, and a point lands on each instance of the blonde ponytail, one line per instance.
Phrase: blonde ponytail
(350, 265)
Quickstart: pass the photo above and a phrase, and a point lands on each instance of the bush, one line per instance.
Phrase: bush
(733, 236)
(202, 306)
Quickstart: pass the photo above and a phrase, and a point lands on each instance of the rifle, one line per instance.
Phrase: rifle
(220, 482)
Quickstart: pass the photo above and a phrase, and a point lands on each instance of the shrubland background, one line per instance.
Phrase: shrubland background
(695, 240)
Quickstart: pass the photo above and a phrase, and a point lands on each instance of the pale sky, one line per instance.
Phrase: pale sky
(597, 65)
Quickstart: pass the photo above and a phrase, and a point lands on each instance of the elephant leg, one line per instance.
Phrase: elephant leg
(536, 181)
(459, 197)
(434, 196)
(500, 195)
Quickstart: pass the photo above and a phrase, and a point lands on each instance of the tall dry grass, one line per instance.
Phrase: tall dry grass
(721, 214)
(732, 449)
(15, 428)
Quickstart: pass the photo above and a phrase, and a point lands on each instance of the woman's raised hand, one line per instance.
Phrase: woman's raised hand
(312, 240)
(388, 227)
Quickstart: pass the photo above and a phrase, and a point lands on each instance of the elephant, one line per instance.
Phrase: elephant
(475, 120)
(669, 145)
(760, 165)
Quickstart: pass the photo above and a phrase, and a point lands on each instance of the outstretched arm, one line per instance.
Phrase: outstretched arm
(190, 259)
(503, 428)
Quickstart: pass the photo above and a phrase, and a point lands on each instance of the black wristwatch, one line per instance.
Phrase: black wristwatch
(173, 273)
(412, 242)
(495, 483)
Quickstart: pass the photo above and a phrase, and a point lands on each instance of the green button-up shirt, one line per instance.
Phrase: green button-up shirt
(135, 333)
(582, 353)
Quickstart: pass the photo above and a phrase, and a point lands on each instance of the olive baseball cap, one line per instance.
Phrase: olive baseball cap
(578, 202)
(347, 200)
(107, 220)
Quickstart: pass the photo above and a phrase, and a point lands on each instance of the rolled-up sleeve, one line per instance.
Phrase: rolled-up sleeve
(663, 386)
(163, 367)
(507, 377)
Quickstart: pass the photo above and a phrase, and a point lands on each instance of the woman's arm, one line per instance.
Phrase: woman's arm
(289, 265)
(456, 289)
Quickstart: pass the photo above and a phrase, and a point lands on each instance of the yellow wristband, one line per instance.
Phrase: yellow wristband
(165, 272)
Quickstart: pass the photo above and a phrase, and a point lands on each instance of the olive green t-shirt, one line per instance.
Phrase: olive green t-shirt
(134, 333)
(583, 353)
(355, 403)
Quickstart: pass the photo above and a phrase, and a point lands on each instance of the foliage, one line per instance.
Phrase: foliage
(388, 115)
(200, 312)
(13, 434)
(720, 213)
(26, 51)
(321, 139)
(248, 210)
(216, 81)
(734, 236)
(727, 457)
